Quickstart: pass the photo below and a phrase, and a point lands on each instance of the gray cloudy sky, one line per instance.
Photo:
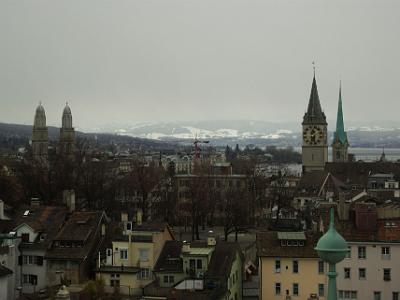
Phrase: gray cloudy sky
(159, 60)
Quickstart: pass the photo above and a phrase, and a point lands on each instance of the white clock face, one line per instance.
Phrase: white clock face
(313, 135)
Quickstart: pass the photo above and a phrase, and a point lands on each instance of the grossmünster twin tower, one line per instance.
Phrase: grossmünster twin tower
(315, 134)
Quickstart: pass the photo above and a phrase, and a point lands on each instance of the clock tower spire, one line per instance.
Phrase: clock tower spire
(315, 142)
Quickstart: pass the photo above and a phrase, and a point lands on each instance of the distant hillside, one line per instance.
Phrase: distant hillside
(259, 133)
(14, 136)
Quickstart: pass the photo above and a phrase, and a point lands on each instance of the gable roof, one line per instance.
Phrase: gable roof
(268, 245)
(80, 227)
(170, 258)
(222, 259)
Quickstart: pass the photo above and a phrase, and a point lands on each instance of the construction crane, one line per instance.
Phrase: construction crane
(196, 143)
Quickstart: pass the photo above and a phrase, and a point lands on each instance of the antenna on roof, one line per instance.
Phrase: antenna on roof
(313, 63)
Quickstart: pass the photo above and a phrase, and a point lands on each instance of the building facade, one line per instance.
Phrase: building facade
(289, 267)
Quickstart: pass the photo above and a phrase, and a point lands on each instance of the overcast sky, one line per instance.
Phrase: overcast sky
(144, 61)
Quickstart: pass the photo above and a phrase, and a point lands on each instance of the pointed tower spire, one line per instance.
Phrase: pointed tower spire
(340, 134)
(314, 112)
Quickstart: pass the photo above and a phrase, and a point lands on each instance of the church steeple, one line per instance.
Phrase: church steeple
(67, 133)
(340, 134)
(340, 143)
(40, 136)
(315, 127)
(314, 114)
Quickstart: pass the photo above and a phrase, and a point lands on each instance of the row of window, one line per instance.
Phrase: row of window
(295, 266)
(378, 295)
(217, 183)
(30, 260)
(362, 252)
(29, 279)
(352, 295)
(143, 254)
(362, 273)
(296, 289)
(144, 273)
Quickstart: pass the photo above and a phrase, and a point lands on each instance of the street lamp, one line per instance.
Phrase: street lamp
(332, 248)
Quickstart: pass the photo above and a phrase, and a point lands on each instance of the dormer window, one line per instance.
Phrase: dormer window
(291, 239)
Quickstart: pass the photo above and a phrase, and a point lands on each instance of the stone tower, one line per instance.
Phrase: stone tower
(40, 135)
(340, 143)
(67, 133)
(315, 142)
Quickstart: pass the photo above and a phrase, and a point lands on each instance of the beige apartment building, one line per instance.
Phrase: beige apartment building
(289, 266)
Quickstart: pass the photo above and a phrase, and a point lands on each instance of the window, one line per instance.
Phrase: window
(123, 253)
(295, 266)
(277, 266)
(386, 275)
(192, 264)
(25, 237)
(321, 290)
(199, 264)
(377, 296)
(347, 295)
(348, 254)
(362, 273)
(395, 296)
(143, 254)
(129, 226)
(347, 273)
(29, 279)
(114, 280)
(144, 273)
(168, 279)
(277, 288)
(321, 268)
(295, 289)
(385, 252)
(362, 252)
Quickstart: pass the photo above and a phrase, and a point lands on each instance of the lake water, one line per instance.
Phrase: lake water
(369, 154)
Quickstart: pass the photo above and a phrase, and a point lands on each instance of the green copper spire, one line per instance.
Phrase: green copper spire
(332, 248)
(340, 134)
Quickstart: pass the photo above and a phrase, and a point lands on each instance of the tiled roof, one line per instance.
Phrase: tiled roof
(358, 172)
(269, 245)
(44, 219)
(169, 259)
(222, 259)
(77, 231)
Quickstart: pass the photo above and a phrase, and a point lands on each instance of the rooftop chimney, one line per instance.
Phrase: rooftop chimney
(69, 199)
(2, 210)
(124, 216)
(139, 215)
(35, 202)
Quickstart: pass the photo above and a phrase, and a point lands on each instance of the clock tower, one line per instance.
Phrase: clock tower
(315, 129)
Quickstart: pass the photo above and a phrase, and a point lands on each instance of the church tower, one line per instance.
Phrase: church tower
(67, 133)
(340, 143)
(315, 143)
(40, 135)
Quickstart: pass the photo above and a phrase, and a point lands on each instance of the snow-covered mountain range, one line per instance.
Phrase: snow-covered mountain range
(368, 134)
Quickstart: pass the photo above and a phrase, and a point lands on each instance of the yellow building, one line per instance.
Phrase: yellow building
(289, 266)
(129, 263)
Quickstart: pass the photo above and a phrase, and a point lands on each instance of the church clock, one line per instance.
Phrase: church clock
(315, 145)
